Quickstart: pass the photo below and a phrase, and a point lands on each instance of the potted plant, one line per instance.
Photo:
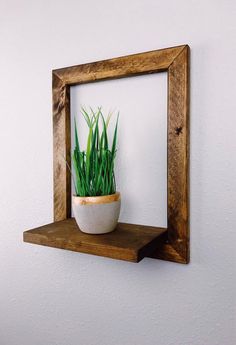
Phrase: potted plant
(96, 203)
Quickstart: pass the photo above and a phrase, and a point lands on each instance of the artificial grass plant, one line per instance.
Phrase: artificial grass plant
(94, 167)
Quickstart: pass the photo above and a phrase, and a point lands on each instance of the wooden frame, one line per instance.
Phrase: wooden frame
(175, 61)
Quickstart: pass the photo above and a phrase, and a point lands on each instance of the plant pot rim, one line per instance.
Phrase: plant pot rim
(101, 199)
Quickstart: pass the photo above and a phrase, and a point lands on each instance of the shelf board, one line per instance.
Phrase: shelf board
(128, 242)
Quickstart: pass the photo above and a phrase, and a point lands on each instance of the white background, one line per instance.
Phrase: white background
(56, 297)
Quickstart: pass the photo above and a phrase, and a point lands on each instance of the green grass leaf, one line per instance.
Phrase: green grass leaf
(94, 167)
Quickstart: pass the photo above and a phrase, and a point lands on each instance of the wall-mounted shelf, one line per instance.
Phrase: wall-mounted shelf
(128, 242)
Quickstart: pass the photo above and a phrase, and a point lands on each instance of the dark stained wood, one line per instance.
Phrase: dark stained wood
(128, 242)
(178, 161)
(178, 154)
(173, 60)
(61, 151)
(125, 66)
(167, 253)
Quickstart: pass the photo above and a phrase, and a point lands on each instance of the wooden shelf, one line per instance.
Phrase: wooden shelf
(128, 242)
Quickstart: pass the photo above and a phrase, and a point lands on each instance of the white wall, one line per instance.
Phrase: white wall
(141, 159)
(56, 297)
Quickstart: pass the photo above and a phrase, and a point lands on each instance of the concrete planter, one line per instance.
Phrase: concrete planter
(97, 214)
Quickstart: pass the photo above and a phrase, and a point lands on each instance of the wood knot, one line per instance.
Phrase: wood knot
(178, 130)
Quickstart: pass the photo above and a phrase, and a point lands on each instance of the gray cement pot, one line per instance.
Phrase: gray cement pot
(97, 214)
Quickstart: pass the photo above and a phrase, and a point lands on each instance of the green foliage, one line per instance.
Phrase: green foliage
(94, 168)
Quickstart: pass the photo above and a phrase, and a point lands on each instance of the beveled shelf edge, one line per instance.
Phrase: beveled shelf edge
(129, 242)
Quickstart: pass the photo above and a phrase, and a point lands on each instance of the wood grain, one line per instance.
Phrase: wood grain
(128, 242)
(178, 154)
(125, 66)
(175, 61)
(61, 149)
(178, 161)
